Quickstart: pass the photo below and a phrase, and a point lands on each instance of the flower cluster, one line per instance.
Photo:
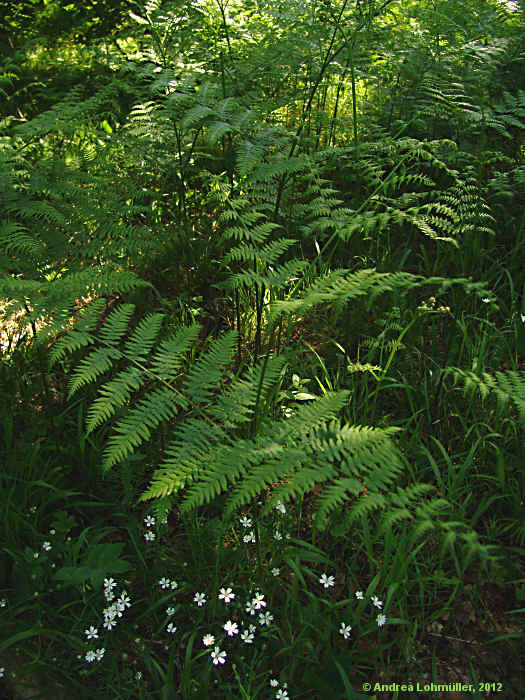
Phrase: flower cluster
(168, 583)
(282, 693)
(115, 610)
(149, 521)
(329, 582)
(111, 614)
(381, 618)
(231, 628)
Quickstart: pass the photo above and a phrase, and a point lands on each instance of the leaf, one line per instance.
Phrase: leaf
(101, 560)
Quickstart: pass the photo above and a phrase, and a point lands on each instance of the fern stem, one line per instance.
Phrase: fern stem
(238, 321)
(43, 377)
(259, 309)
(255, 422)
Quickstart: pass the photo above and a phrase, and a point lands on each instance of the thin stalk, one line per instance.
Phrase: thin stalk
(331, 54)
(336, 107)
(354, 96)
(389, 362)
(259, 310)
(222, 8)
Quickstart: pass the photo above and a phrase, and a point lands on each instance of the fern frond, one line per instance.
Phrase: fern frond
(15, 238)
(143, 337)
(95, 364)
(157, 407)
(112, 396)
(169, 356)
(206, 373)
(365, 505)
(81, 335)
(116, 325)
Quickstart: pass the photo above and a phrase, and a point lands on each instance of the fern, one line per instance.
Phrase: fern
(223, 438)
(507, 387)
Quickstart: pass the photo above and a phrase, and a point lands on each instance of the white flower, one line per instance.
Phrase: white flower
(250, 537)
(359, 595)
(252, 629)
(171, 628)
(218, 656)
(149, 536)
(149, 521)
(226, 595)
(109, 584)
(265, 618)
(108, 594)
(100, 653)
(138, 675)
(52, 531)
(276, 571)
(522, 316)
(486, 300)
(90, 656)
(378, 603)
(110, 623)
(164, 583)
(231, 628)
(91, 633)
(170, 611)
(208, 640)
(245, 522)
(250, 607)
(280, 507)
(46, 546)
(35, 555)
(277, 535)
(274, 683)
(258, 601)
(123, 602)
(3, 602)
(345, 630)
(2, 671)
(111, 612)
(327, 581)
(381, 619)
(199, 598)
(174, 585)
(247, 637)
(281, 694)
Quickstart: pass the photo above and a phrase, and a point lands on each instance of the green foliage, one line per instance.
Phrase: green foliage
(256, 254)
(214, 448)
(507, 387)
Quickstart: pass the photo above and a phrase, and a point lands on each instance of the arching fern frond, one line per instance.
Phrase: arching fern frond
(224, 438)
